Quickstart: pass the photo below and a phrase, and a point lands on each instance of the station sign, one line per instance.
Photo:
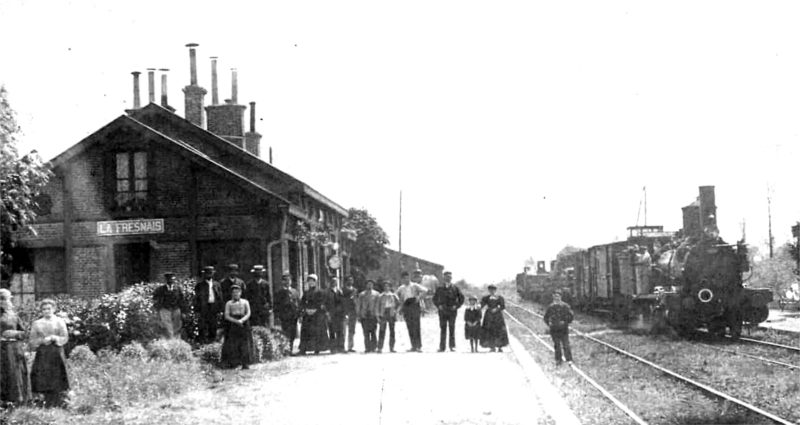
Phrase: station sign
(130, 227)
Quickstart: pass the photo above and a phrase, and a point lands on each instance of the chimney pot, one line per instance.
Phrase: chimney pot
(164, 102)
(151, 84)
(193, 62)
(252, 117)
(136, 104)
(235, 87)
(214, 91)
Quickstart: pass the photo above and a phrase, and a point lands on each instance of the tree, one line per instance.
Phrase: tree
(371, 240)
(21, 180)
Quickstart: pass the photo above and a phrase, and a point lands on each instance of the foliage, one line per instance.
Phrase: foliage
(134, 350)
(775, 273)
(170, 349)
(371, 240)
(82, 353)
(211, 353)
(21, 179)
(271, 344)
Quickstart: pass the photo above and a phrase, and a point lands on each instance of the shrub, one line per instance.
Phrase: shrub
(82, 353)
(170, 349)
(211, 353)
(134, 350)
(270, 344)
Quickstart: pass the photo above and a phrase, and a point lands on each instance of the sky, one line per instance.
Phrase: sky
(512, 128)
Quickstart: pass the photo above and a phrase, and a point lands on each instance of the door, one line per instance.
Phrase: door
(131, 264)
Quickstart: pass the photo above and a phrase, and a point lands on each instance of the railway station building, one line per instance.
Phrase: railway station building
(152, 192)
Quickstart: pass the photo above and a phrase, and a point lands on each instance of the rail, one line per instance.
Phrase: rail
(670, 373)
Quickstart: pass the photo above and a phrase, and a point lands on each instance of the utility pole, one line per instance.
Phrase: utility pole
(400, 236)
(769, 212)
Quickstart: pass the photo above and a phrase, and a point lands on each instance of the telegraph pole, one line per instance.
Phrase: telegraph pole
(400, 236)
(769, 212)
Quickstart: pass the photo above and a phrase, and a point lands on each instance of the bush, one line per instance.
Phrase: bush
(270, 344)
(82, 353)
(134, 350)
(170, 349)
(211, 353)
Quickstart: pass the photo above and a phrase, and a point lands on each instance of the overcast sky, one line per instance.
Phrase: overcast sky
(512, 128)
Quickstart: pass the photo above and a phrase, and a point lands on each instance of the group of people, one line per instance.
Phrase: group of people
(47, 336)
(327, 313)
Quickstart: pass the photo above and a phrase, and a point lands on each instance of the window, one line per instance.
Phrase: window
(131, 176)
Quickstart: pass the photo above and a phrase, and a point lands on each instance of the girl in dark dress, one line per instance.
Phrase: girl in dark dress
(472, 323)
(14, 385)
(238, 345)
(493, 331)
(49, 371)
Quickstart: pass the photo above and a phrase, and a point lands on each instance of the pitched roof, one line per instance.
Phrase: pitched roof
(183, 148)
(227, 153)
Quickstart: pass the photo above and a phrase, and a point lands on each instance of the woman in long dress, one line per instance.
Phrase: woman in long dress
(49, 371)
(238, 345)
(494, 334)
(14, 384)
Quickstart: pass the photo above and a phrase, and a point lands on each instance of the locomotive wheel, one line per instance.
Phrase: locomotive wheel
(717, 327)
(760, 314)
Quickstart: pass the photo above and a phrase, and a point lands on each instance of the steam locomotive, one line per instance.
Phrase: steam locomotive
(688, 279)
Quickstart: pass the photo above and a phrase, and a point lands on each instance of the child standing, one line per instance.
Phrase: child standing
(472, 323)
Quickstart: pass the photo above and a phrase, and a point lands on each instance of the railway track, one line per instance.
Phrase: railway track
(693, 383)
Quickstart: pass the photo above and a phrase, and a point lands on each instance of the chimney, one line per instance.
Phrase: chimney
(235, 87)
(151, 84)
(252, 117)
(193, 63)
(252, 140)
(270, 154)
(214, 91)
(164, 102)
(227, 120)
(136, 104)
(194, 95)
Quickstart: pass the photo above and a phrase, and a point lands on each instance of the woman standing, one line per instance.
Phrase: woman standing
(49, 372)
(14, 385)
(493, 331)
(238, 344)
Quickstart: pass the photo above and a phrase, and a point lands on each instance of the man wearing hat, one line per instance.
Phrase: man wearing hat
(287, 307)
(447, 299)
(337, 316)
(558, 316)
(314, 309)
(230, 280)
(349, 295)
(168, 302)
(410, 294)
(259, 296)
(208, 305)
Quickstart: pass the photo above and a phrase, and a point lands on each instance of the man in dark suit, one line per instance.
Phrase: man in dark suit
(259, 297)
(287, 308)
(230, 280)
(448, 298)
(168, 302)
(208, 304)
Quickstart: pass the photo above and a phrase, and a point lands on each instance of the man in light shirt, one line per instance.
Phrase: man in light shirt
(366, 306)
(387, 306)
(410, 294)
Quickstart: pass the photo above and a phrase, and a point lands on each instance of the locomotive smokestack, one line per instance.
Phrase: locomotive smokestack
(708, 208)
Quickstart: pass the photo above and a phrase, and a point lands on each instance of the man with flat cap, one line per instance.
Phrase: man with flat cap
(208, 304)
(258, 295)
(230, 280)
(287, 307)
(314, 328)
(168, 302)
(447, 299)
(410, 294)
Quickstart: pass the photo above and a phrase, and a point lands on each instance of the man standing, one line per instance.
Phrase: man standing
(558, 316)
(208, 305)
(365, 309)
(314, 328)
(287, 306)
(410, 294)
(259, 297)
(337, 317)
(448, 299)
(387, 306)
(349, 295)
(230, 280)
(168, 302)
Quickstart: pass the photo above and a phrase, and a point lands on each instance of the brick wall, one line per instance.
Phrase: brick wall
(193, 105)
(230, 227)
(45, 232)
(55, 191)
(173, 181)
(171, 257)
(213, 191)
(89, 271)
(86, 180)
(226, 120)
